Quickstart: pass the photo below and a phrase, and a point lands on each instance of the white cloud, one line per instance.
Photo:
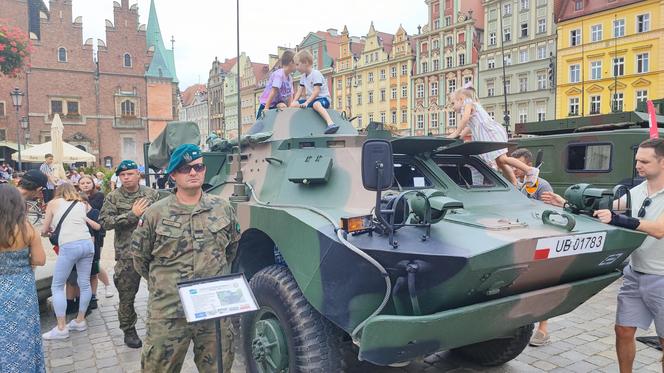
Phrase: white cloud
(204, 29)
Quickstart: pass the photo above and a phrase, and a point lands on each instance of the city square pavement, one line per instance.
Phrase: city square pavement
(581, 341)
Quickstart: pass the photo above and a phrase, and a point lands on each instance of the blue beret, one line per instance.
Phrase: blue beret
(183, 154)
(126, 165)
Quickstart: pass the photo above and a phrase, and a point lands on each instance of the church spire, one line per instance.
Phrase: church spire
(163, 60)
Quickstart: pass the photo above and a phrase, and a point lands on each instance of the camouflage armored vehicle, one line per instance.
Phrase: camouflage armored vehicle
(395, 248)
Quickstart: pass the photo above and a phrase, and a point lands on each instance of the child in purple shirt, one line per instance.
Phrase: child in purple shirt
(279, 88)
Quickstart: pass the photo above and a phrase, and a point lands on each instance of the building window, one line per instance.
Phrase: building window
(394, 93)
(359, 120)
(595, 104)
(339, 103)
(573, 106)
(72, 108)
(492, 114)
(596, 32)
(2, 109)
(56, 107)
(467, 79)
(619, 66)
(523, 114)
(507, 34)
(404, 116)
(541, 52)
(541, 80)
(425, 67)
(371, 118)
(394, 117)
(574, 73)
(436, 24)
(642, 60)
(435, 44)
(507, 9)
(382, 74)
(371, 97)
(523, 55)
(618, 28)
(434, 120)
(434, 88)
(492, 38)
(370, 77)
(127, 60)
(462, 59)
(420, 121)
(382, 117)
(578, 5)
(508, 59)
(524, 30)
(348, 101)
(617, 103)
(524, 5)
(541, 25)
(595, 70)
(359, 99)
(436, 65)
(448, 21)
(589, 157)
(641, 96)
(451, 119)
(420, 91)
(490, 89)
(643, 23)
(448, 62)
(393, 72)
(507, 86)
(451, 85)
(449, 40)
(339, 84)
(575, 37)
(3, 134)
(404, 91)
(62, 54)
(404, 69)
(491, 63)
(541, 113)
(523, 84)
(382, 95)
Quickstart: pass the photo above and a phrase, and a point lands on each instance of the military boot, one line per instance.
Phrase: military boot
(131, 339)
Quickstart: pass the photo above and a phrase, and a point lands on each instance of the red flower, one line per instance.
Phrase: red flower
(14, 50)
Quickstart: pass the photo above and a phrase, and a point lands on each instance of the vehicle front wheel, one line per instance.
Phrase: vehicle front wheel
(497, 351)
(287, 334)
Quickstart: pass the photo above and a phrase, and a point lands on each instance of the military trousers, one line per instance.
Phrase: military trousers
(127, 281)
(167, 342)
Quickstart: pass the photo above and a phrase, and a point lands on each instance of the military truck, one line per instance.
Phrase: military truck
(387, 249)
(597, 149)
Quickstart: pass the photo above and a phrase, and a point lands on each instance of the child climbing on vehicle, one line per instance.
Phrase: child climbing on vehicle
(476, 120)
(314, 85)
(278, 91)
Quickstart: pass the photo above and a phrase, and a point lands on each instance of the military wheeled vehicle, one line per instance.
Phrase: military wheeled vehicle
(365, 246)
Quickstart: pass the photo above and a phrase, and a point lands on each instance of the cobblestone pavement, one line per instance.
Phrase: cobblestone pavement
(581, 341)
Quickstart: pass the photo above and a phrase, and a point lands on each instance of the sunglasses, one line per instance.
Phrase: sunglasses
(199, 167)
(642, 210)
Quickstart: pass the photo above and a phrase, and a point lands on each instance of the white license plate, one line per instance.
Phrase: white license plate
(556, 247)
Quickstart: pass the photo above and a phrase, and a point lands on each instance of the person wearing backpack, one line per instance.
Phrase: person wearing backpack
(66, 225)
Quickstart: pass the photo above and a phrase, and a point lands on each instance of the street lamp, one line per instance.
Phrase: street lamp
(17, 100)
(25, 125)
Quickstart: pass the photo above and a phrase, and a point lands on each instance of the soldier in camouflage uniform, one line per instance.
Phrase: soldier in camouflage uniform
(121, 210)
(185, 236)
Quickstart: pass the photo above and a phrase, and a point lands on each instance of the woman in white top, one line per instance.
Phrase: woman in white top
(75, 248)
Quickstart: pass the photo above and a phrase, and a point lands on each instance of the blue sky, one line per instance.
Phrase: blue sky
(204, 29)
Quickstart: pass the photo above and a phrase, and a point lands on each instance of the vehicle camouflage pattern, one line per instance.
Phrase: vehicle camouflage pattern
(453, 257)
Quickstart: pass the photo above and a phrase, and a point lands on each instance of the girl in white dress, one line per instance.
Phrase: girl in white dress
(482, 127)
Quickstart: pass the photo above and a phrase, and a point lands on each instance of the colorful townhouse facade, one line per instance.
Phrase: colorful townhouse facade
(610, 56)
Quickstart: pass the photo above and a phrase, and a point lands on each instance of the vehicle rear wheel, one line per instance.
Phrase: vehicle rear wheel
(287, 334)
(497, 351)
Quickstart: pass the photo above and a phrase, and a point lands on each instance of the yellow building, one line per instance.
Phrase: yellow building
(372, 78)
(610, 56)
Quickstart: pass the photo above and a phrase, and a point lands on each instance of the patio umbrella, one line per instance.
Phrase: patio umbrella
(58, 152)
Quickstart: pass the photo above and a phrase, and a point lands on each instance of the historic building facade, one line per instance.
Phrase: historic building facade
(110, 105)
(521, 34)
(447, 52)
(609, 56)
(324, 47)
(372, 78)
(195, 108)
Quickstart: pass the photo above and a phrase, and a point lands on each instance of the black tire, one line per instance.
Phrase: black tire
(314, 344)
(497, 351)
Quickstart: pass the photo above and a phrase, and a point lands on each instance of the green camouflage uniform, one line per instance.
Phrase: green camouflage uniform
(116, 214)
(175, 243)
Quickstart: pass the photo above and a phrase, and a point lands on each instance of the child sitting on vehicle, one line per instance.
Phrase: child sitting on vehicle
(279, 88)
(483, 128)
(315, 86)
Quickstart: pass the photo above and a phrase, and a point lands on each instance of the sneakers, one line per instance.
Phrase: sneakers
(76, 326)
(56, 333)
(131, 339)
(531, 176)
(108, 292)
(331, 128)
(539, 339)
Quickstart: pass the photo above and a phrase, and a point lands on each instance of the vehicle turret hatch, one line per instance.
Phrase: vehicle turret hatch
(419, 145)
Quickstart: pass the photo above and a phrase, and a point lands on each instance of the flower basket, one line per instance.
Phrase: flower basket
(15, 49)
